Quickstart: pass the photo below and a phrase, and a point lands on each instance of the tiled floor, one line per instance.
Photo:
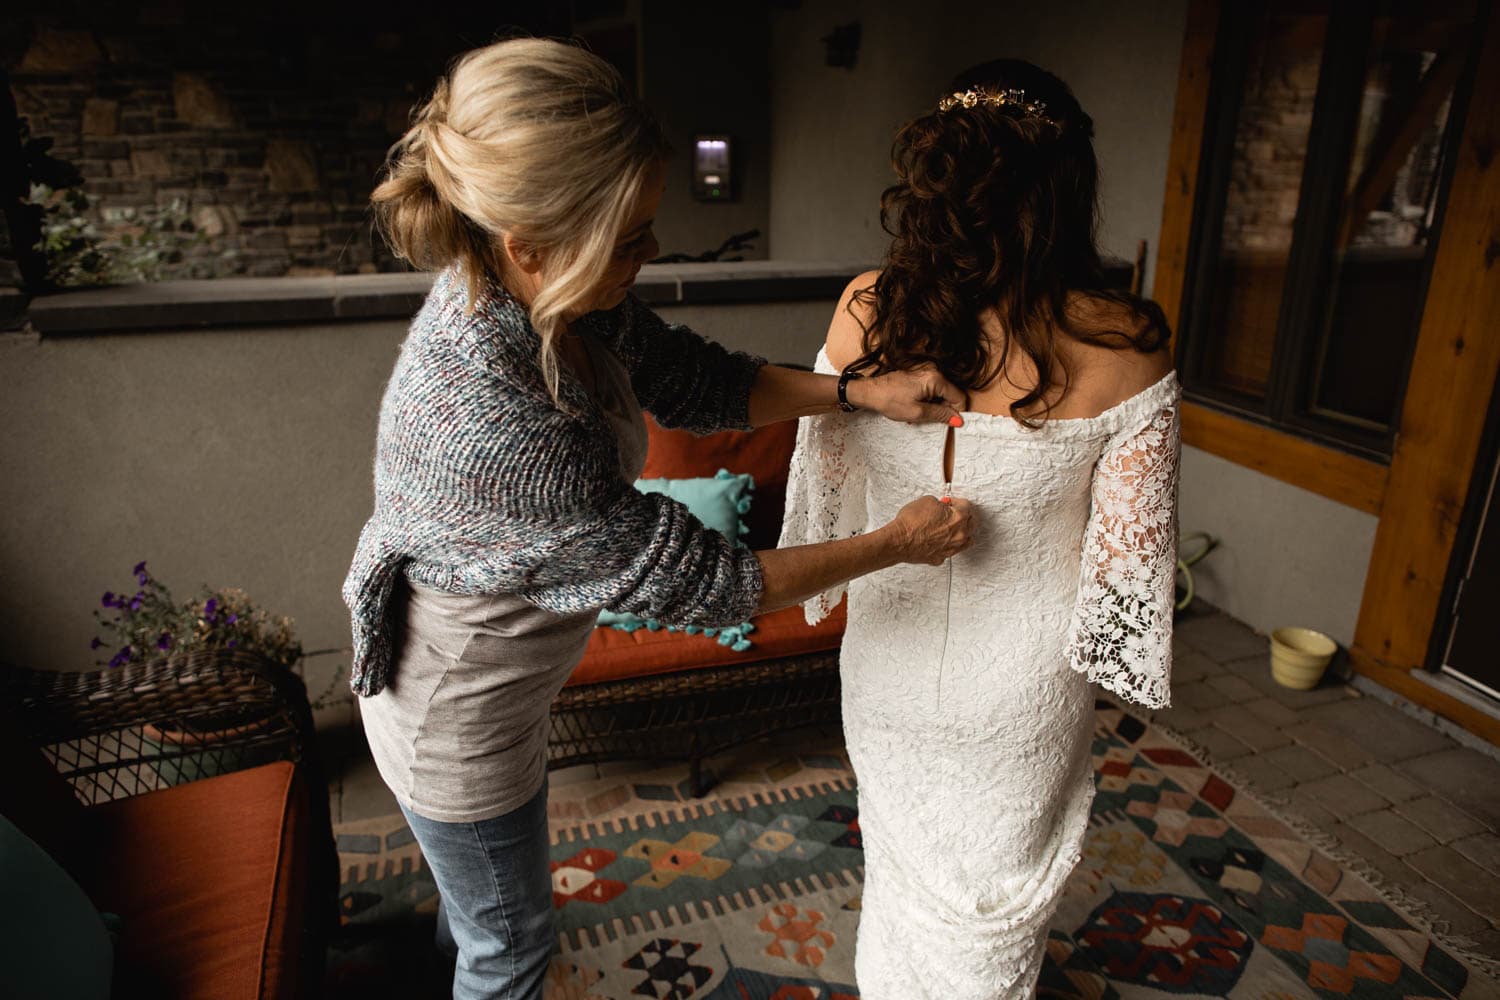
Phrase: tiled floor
(1418, 807)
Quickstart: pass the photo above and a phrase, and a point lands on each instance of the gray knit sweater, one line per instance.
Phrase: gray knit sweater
(484, 486)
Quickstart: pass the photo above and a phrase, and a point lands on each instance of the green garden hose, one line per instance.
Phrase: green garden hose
(1186, 562)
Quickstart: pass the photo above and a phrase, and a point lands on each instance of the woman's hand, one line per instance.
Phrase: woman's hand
(929, 531)
(925, 531)
(914, 397)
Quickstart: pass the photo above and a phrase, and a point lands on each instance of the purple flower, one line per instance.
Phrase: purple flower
(141, 578)
(165, 642)
(135, 602)
(209, 607)
(140, 568)
(231, 619)
(96, 643)
(232, 643)
(120, 658)
(108, 600)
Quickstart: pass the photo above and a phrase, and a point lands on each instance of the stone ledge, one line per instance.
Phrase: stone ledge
(242, 302)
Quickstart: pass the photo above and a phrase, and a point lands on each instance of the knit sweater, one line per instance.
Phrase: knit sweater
(484, 486)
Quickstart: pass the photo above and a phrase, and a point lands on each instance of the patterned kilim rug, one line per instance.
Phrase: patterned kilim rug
(1188, 887)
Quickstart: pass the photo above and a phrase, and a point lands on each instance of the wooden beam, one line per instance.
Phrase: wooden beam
(1189, 117)
(1352, 481)
(1403, 683)
(1453, 374)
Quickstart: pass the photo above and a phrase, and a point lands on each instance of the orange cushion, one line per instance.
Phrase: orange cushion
(207, 878)
(614, 655)
(765, 453)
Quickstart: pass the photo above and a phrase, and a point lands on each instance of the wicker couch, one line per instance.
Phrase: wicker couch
(660, 694)
(185, 797)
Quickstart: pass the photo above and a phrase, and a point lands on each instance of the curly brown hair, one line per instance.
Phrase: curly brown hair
(995, 208)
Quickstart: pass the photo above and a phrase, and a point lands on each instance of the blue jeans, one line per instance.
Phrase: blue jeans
(496, 899)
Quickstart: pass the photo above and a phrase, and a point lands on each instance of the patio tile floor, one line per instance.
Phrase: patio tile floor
(1422, 810)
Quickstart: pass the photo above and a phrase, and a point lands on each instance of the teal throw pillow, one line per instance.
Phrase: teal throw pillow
(721, 503)
(56, 941)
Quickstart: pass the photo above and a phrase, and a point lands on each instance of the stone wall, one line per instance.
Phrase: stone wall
(266, 123)
(1272, 135)
(1270, 141)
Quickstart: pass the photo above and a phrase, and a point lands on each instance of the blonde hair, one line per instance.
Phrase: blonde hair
(535, 138)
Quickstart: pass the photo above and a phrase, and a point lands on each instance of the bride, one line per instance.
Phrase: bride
(967, 708)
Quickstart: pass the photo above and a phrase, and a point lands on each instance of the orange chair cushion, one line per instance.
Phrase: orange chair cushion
(614, 655)
(765, 453)
(208, 879)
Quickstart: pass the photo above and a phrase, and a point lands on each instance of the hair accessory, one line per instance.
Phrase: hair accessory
(844, 403)
(1011, 97)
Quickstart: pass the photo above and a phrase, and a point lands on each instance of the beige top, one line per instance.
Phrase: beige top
(460, 732)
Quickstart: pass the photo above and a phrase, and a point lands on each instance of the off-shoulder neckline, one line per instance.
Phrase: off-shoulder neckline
(1159, 387)
(1164, 386)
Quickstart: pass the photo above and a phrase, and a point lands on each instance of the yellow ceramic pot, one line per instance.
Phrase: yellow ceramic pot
(1299, 656)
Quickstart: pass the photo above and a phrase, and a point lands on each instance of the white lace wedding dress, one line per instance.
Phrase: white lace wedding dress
(967, 709)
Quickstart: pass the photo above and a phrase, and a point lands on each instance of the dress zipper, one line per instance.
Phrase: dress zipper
(950, 443)
(947, 635)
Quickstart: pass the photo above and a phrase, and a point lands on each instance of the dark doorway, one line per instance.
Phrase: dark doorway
(1473, 654)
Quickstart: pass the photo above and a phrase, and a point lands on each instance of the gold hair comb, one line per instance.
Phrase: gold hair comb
(1011, 97)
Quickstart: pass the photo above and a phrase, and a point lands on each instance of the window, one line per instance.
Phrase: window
(1325, 160)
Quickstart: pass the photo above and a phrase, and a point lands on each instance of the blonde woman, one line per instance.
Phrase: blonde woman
(509, 437)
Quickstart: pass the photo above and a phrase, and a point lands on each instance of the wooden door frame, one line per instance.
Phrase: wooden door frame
(1420, 498)
(1443, 419)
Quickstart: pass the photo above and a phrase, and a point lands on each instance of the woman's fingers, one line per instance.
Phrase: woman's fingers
(919, 396)
(937, 530)
(941, 390)
(963, 535)
(937, 413)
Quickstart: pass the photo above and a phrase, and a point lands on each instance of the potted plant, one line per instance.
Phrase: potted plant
(150, 624)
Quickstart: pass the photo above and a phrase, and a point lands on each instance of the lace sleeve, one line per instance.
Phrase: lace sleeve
(1121, 634)
(825, 494)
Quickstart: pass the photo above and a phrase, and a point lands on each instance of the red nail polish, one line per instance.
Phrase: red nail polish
(955, 421)
(947, 500)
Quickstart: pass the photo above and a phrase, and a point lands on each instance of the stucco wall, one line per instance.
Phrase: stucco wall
(228, 457)
(832, 128)
(783, 332)
(706, 71)
(234, 457)
(1286, 556)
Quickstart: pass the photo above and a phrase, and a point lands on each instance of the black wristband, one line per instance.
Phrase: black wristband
(844, 403)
